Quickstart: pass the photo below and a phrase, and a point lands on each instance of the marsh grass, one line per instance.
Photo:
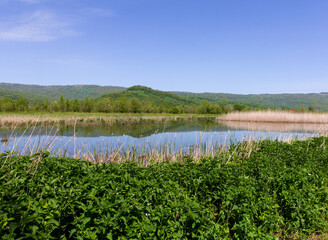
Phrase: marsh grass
(9, 120)
(276, 117)
(320, 129)
(148, 154)
(143, 154)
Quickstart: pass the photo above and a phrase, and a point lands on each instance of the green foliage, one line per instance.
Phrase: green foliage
(122, 105)
(14, 95)
(312, 108)
(209, 108)
(136, 105)
(278, 189)
(22, 104)
(139, 99)
(239, 107)
(145, 94)
(8, 105)
(105, 105)
(52, 93)
(61, 103)
(263, 101)
(75, 106)
(87, 105)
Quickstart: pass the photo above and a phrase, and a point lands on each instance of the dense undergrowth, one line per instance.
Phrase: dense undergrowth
(279, 190)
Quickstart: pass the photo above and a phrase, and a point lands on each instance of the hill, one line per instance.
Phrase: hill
(155, 96)
(289, 101)
(36, 93)
(16, 94)
(54, 92)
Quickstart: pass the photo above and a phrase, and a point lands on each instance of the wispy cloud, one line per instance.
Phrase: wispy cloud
(39, 26)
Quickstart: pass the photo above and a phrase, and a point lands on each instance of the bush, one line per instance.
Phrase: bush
(279, 190)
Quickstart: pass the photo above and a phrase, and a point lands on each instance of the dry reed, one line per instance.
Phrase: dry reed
(147, 156)
(70, 119)
(321, 129)
(276, 117)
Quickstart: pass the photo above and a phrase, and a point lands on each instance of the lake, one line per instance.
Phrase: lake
(146, 135)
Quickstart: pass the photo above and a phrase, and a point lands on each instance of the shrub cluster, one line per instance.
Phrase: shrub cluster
(279, 190)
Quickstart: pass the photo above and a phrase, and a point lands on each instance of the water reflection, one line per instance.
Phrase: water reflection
(177, 135)
(277, 127)
(136, 129)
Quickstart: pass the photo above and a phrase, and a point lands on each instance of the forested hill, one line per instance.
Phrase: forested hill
(156, 97)
(288, 101)
(37, 93)
(4, 93)
(54, 92)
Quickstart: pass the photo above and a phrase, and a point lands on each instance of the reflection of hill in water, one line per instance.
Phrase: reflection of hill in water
(146, 128)
(143, 128)
(277, 127)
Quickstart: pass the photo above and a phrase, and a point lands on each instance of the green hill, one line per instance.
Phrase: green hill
(157, 97)
(16, 94)
(289, 101)
(36, 93)
(54, 92)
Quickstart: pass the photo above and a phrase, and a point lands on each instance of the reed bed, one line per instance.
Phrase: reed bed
(276, 117)
(320, 129)
(142, 154)
(71, 119)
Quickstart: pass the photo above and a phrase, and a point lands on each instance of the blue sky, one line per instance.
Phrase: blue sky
(232, 46)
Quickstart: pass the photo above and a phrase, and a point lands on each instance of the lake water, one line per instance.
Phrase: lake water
(144, 136)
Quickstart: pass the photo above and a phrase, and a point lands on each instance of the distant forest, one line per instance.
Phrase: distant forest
(139, 99)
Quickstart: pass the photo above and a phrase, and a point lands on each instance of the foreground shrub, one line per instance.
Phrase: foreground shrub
(277, 190)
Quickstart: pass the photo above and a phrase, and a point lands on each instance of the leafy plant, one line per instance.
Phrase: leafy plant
(278, 190)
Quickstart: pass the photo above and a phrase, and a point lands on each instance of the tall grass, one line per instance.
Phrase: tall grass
(142, 154)
(320, 129)
(149, 153)
(276, 117)
(9, 120)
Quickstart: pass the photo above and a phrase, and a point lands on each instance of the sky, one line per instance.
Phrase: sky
(226, 46)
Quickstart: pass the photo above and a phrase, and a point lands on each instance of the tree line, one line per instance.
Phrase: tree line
(122, 105)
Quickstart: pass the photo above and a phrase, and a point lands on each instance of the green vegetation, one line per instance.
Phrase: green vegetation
(298, 102)
(52, 93)
(274, 190)
(143, 99)
(136, 99)
(14, 95)
(157, 97)
(139, 99)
